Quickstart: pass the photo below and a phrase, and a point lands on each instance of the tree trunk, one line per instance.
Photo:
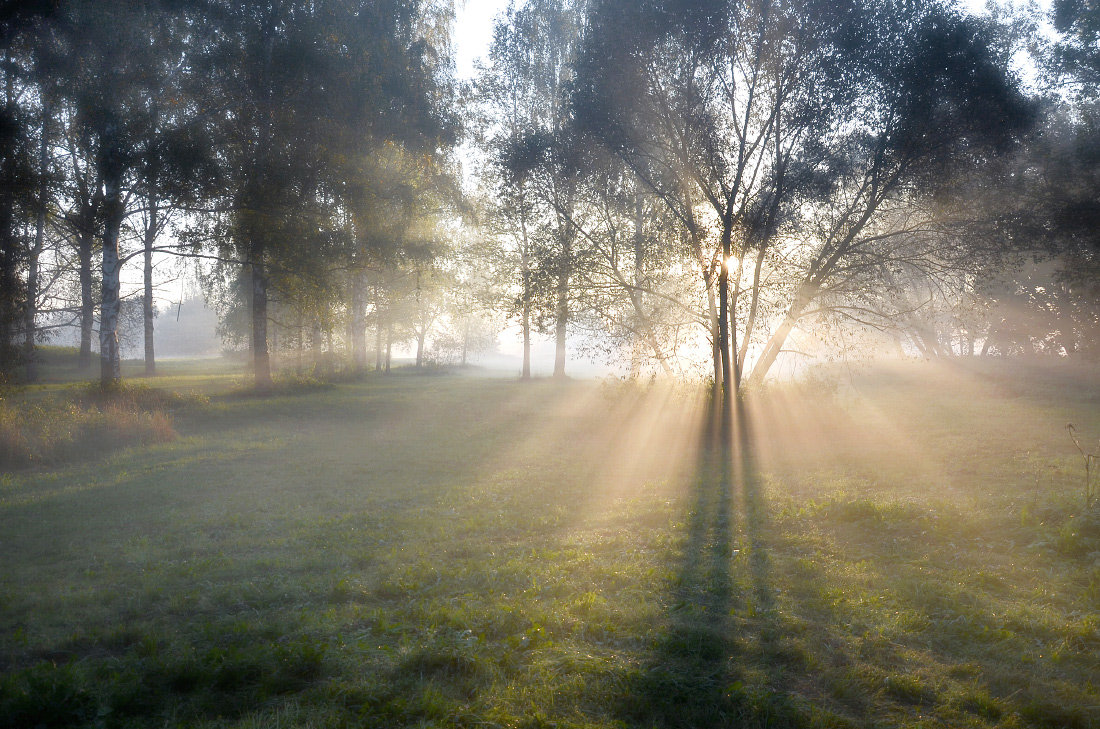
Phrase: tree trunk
(724, 328)
(317, 345)
(525, 263)
(724, 303)
(301, 349)
(110, 362)
(754, 303)
(734, 356)
(328, 359)
(637, 299)
(147, 296)
(525, 372)
(85, 242)
(378, 329)
(261, 359)
(30, 314)
(9, 243)
(420, 336)
(465, 340)
(779, 337)
(989, 340)
(561, 322)
(358, 338)
(389, 345)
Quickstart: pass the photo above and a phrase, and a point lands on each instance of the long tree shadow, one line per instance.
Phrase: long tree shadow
(696, 677)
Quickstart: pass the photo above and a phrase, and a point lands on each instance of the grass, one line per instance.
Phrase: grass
(910, 551)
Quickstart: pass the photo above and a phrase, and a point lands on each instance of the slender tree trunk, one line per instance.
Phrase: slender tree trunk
(85, 242)
(754, 303)
(389, 345)
(147, 296)
(254, 197)
(378, 329)
(724, 329)
(358, 338)
(465, 340)
(261, 359)
(561, 322)
(110, 362)
(9, 293)
(637, 299)
(779, 337)
(420, 336)
(30, 314)
(301, 350)
(316, 344)
(736, 364)
(724, 310)
(329, 356)
(525, 372)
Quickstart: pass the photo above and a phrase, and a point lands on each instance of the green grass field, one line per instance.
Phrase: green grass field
(910, 550)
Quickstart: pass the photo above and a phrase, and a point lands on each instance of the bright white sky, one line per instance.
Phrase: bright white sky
(474, 32)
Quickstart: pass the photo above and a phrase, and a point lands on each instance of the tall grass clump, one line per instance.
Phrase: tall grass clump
(84, 422)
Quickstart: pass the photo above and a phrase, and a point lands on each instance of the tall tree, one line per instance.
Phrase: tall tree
(524, 97)
(110, 52)
(776, 128)
(301, 86)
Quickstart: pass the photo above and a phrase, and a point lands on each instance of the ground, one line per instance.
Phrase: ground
(907, 546)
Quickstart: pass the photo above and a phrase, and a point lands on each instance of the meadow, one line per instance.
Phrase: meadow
(908, 546)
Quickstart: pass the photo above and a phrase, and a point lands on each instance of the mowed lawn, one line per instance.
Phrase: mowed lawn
(911, 549)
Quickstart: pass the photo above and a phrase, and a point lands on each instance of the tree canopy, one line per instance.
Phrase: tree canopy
(678, 185)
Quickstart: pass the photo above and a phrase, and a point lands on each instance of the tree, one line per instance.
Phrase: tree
(19, 185)
(524, 103)
(108, 55)
(780, 132)
(305, 88)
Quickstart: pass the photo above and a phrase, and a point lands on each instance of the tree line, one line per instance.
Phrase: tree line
(675, 184)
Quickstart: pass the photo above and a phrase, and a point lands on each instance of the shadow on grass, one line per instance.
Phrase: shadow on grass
(696, 676)
(227, 671)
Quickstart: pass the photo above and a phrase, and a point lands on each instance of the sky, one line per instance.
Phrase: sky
(474, 32)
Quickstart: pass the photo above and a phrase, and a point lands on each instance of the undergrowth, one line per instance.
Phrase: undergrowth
(86, 421)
